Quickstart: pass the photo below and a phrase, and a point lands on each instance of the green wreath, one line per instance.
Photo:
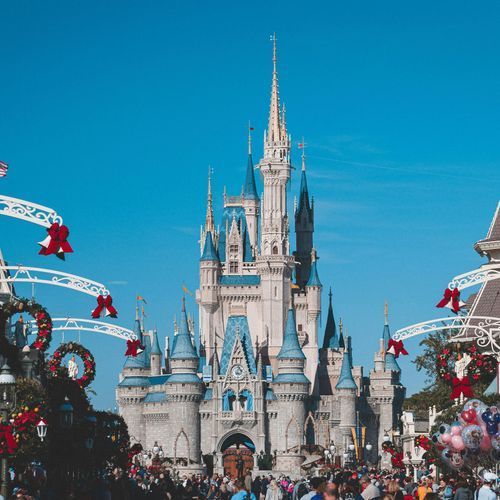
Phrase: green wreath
(39, 313)
(481, 366)
(57, 370)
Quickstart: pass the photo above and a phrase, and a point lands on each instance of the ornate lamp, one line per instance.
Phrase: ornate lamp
(368, 447)
(156, 448)
(7, 389)
(352, 447)
(41, 429)
(386, 438)
(66, 414)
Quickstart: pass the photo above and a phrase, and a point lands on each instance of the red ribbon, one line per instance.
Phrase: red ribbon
(396, 348)
(461, 386)
(7, 442)
(104, 303)
(134, 347)
(56, 242)
(451, 299)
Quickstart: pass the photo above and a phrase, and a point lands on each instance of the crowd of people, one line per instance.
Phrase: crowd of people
(159, 483)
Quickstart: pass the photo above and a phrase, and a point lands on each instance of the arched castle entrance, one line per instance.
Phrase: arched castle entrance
(237, 454)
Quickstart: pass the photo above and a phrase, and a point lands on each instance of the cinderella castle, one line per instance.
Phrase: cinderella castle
(258, 383)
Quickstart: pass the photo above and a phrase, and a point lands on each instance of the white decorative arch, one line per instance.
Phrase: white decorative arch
(230, 433)
(38, 275)
(28, 211)
(476, 277)
(87, 325)
(310, 420)
(484, 330)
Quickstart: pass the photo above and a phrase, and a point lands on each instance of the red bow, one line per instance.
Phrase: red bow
(451, 299)
(396, 348)
(7, 442)
(104, 303)
(461, 386)
(134, 347)
(56, 242)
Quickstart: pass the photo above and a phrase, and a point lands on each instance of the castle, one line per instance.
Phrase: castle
(258, 384)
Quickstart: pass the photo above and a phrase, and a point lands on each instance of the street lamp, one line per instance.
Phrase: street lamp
(386, 438)
(369, 447)
(156, 448)
(41, 429)
(66, 414)
(7, 403)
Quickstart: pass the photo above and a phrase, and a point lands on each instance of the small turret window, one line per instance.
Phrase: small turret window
(233, 266)
(275, 250)
(233, 248)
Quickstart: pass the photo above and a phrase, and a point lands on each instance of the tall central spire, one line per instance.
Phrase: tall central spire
(274, 128)
(209, 218)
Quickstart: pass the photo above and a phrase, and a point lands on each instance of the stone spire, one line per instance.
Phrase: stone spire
(209, 252)
(391, 363)
(274, 126)
(209, 218)
(331, 340)
(314, 277)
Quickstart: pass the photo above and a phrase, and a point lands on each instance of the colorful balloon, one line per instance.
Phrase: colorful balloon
(485, 443)
(446, 438)
(458, 443)
(456, 429)
(491, 417)
(472, 435)
(469, 416)
(476, 405)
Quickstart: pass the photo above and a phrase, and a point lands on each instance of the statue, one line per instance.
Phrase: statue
(72, 368)
(20, 332)
(461, 365)
(239, 466)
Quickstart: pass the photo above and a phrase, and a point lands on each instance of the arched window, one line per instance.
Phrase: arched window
(245, 400)
(228, 399)
(275, 250)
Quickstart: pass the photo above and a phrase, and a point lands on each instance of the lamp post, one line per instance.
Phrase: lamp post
(41, 429)
(66, 414)
(7, 403)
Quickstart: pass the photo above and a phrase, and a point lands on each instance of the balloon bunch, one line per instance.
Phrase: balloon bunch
(475, 433)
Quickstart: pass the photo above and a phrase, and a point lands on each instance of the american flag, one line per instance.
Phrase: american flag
(3, 168)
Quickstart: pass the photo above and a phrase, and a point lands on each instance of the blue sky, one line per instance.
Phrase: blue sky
(110, 112)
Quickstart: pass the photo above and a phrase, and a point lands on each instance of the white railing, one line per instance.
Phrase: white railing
(476, 277)
(88, 325)
(28, 211)
(38, 275)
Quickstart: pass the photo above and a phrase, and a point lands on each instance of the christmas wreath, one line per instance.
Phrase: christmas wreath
(423, 442)
(480, 366)
(42, 317)
(57, 370)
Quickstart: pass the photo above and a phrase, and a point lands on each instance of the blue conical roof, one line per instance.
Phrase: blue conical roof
(331, 340)
(250, 189)
(291, 347)
(345, 380)
(390, 361)
(313, 277)
(209, 252)
(304, 192)
(155, 345)
(183, 347)
(138, 361)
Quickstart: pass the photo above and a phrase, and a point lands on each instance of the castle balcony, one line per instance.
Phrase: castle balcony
(238, 416)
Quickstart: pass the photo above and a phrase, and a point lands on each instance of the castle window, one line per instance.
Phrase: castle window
(233, 266)
(275, 250)
(299, 328)
(233, 248)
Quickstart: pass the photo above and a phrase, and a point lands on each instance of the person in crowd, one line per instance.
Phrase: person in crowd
(274, 491)
(317, 487)
(241, 493)
(485, 492)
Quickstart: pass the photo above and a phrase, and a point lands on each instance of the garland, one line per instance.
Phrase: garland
(423, 442)
(57, 370)
(480, 366)
(42, 317)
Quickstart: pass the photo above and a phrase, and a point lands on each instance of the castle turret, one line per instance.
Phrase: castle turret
(304, 228)
(331, 339)
(155, 355)
(184, 391)
(347, 389)
(251, 202)
(291, 388)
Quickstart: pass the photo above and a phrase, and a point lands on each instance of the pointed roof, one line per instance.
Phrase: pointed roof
(209, 218)
(155, 345)
(341, 335)
(250, 189)
(274, 126)
(390, 361)
(304, 203)
(138, 361)
(209, 252)
(490, 245)
(331, 339)
(290, 348)
(313, 277)
(183, 347)
(346, 381)
(237, 327)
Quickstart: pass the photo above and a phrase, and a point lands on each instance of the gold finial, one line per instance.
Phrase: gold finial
(302, 145)
(386, 312)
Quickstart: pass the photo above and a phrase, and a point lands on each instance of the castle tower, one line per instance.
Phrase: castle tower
(251, 201)
(331, 339)
(155, 355)
(133, 386)
(386, 390)
(347, 389)
(275, 264)
(304, 229)
(184, 390)
(291, 388)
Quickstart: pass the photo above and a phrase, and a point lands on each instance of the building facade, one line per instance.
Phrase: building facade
(258, 383)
